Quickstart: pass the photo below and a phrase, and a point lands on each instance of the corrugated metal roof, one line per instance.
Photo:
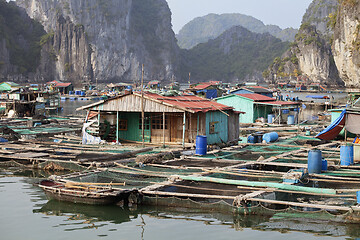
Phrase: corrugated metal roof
(279, 103)
(256, 97)
(59, 84)
(202, 86)
(190, 102)
(62, 84)
(257, 89)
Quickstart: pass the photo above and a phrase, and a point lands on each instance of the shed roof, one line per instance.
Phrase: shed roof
(279, 103)
(153, 83)
(256, 97)
(59, 84)
(189, 103)
(201, 86)
(258, 89)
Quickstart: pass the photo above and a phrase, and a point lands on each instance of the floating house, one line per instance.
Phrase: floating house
(208, 90)
(174, 119)
(153, 85)
(257, 106)
(254, 89)
(9, 86)
(61, 87)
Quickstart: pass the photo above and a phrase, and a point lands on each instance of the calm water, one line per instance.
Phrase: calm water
(26, 214)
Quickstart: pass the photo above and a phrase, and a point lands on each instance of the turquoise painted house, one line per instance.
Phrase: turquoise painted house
(255, 106)
(174, 119)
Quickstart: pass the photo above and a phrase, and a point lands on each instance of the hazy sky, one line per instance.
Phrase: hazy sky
(284, 13)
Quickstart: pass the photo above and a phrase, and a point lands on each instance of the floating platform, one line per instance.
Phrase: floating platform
(265, 179)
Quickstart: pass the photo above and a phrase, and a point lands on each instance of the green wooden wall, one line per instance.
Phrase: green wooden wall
(133, 132)
(240, 104)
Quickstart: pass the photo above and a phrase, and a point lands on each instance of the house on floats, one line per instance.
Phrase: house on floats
(253, 89)
(9, 86)
(208, 90)
(61, 87)
(258, 106)
(175, 119)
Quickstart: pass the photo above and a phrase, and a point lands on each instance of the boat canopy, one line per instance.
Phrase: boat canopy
(348, 119)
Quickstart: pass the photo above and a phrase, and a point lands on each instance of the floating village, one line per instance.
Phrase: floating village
(241, 149)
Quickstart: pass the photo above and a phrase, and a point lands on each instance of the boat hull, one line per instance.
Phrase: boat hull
(61, 193)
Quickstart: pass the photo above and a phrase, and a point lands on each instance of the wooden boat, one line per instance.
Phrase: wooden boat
(71, 192)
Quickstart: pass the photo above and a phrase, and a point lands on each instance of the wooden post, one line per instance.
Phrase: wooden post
(198, 124)
(279, 115)
(117, 127)
(142, 105)
(183, 136)
(164, 129)
(190, 129)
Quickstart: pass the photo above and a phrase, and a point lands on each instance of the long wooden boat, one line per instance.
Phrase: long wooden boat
(80, 194)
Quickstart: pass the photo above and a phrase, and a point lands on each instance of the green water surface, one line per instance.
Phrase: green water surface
(25, 213)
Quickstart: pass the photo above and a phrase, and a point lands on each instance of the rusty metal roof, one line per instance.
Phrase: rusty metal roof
(256, 97)
(184, 102)
(190, 102)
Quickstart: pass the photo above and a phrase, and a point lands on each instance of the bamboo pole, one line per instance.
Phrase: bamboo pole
(259, 184)
(164, 129)
(183, 134)
(296, 204)
(117, 127)
(142, 105)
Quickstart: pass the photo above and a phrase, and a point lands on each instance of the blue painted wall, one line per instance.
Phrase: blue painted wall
(221, 127)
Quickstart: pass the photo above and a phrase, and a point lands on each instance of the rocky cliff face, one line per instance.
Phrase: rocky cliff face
(346, 43)
(19, 43)
(107, 40)
(320, 14)
(309, 56)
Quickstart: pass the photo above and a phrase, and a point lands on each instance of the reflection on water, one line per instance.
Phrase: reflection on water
(69, 107)
(24, 206)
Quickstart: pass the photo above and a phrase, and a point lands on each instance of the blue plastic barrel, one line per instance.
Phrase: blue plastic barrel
(285, 111)
(291, 120)
(82, 93)
(270, 137)
(270, 118)
(346, 155)
(252, 139)
(71, 92)
(358, 197)
(314, 161)
(324, 164)
(201, 145)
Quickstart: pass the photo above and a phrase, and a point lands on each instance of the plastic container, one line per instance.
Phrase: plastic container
(291, 120)
(356, 152)
(358, 197)
(201, 145)
(83, 93)
(271, 118)
(71, 92)
(285, 111)
(346, 155)
(252, 139)
(270, 137)
(314, 161)
(324, 165)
